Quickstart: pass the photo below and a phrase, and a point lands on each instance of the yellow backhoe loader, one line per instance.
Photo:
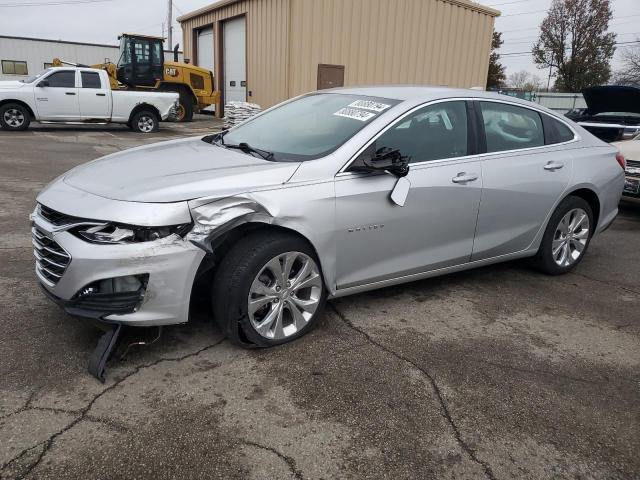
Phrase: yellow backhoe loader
(141, 65)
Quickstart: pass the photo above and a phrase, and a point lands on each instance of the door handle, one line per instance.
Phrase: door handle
(69, 93)
(552, 166)
(101, 94)
(464, 177)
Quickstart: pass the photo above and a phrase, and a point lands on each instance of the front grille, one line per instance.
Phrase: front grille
(51, 259)
(56, 218)
(633, 164)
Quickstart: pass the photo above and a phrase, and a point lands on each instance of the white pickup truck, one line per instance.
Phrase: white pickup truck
(76, 94)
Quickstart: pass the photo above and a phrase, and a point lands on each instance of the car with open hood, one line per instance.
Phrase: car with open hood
(612, 113)
(326, 195)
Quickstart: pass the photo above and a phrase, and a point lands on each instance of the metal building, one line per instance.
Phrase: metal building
(23, 56)
(266, 51)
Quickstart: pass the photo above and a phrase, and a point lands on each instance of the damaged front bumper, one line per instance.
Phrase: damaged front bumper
(148, 284)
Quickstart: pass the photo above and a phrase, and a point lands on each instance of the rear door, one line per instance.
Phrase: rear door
(94, 97)
(523, 178)
(378, 240)
(59, 99)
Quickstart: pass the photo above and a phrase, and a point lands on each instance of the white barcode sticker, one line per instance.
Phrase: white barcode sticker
(355, 114)
(370, 105)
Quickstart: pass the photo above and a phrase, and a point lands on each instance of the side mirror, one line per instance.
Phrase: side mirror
(43, 83)
(383, 159)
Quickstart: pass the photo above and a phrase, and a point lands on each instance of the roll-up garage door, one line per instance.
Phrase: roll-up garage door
(235, 66)
(205, 53)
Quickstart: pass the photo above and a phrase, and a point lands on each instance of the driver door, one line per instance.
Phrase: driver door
(58, 100)
(378, 240)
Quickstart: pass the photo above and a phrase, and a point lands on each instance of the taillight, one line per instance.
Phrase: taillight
(621, 161)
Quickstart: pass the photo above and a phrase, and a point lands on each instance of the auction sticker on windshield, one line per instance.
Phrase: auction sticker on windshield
(355, 114)
(370, 105)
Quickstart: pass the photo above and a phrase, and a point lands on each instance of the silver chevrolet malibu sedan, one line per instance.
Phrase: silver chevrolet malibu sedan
(326, 195)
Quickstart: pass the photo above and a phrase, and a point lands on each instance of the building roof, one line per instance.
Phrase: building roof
(67, 42)
(223, 3)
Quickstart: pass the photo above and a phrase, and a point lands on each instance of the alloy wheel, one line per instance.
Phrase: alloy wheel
(13, 117)
(146, 123)
(571, 237)
(284, 295)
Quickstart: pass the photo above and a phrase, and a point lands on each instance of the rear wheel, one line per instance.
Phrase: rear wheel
(566, 238)
(145, 121)
(268, 290)
(14, 116)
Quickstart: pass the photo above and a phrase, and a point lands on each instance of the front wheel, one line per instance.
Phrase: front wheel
(14, 116)
(566, 238)
(145, 121)
(268, 290)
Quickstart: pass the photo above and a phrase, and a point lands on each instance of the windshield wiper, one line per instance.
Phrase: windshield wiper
(246, 148)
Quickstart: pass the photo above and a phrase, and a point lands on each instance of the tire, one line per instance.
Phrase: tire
(186, 103)
(248, 268)
(566, 239)
(145, 121)
(14, 117)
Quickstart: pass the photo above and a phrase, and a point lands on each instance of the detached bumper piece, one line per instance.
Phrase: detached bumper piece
(96, 302)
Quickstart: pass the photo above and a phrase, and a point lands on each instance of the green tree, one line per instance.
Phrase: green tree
(496, 76)
(574, 41)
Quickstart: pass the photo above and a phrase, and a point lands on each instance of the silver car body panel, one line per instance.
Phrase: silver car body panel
(362, 239)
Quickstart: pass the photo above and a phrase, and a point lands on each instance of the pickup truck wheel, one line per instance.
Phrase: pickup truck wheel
(14, 116)
(145, 121)
(268, 290)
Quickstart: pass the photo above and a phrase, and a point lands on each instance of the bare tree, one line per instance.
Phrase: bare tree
(523, 80)
(574, 40)
(630, 72)
(496, 76)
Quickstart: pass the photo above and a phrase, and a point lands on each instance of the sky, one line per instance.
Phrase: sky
(101, 21)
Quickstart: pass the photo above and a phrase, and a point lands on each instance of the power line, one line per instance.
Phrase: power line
(513, 54)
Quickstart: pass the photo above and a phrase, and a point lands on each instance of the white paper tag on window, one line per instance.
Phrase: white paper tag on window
(355, 114)
(370, 105)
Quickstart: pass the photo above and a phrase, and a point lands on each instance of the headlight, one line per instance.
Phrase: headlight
(112, 233)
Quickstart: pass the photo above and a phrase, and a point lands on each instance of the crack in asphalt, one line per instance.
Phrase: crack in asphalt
(471, 452)
(610, 284)
(83, 413)
(538, 372)
(291, 463)
(24, 408)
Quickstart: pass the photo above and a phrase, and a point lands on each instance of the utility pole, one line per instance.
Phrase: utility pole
(170, 24)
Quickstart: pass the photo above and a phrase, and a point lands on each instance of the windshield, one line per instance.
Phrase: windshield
(310, 127)
(33, 78)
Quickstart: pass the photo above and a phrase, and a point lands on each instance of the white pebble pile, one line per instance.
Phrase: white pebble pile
(238, 112)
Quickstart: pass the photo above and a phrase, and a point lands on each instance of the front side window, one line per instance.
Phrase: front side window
(509, 127)
(14, 67)
(63, 79)
(90, 80)
(435, 132)
(310, 127)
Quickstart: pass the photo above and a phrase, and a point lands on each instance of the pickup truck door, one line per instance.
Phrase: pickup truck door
(94, 96)
(57, 96)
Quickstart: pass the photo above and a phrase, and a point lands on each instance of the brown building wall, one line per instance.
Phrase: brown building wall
(437, 42)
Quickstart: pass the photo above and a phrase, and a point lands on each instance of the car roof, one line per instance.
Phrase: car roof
(425, 93)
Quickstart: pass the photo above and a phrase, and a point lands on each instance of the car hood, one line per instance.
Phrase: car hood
(176, 171)
(612, 99)
(11, 84)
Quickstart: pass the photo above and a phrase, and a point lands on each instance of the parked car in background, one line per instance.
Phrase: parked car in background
(72, 95)
(631, 151)
(612, 114)
(329, 194)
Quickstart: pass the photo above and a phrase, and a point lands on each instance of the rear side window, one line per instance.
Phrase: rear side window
(90, 80)
(564, 133)
(64, 79)
(508, 127)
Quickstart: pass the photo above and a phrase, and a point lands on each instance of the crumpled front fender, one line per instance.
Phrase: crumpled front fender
(214, 219)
